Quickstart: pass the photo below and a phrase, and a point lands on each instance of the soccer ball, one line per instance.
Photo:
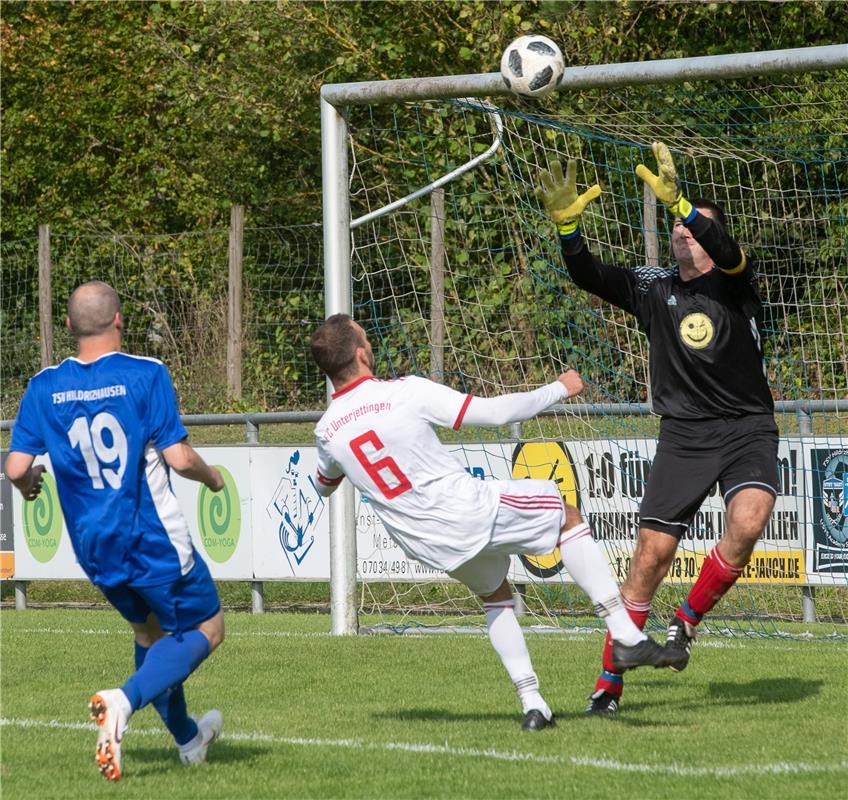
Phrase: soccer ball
(532, 65)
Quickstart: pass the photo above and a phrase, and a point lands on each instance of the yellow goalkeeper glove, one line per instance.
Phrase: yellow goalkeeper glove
(665, 185)
(559, 197)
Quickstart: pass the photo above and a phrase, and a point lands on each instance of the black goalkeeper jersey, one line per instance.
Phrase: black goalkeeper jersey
(706, 357)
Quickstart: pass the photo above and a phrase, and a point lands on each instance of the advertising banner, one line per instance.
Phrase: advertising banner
(606, 480)
(43, 548)
(291, 534)
(220, 522)
(7, 527)
(270, 523)
(828, 493)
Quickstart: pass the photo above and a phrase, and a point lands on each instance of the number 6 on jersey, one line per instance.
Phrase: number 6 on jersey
(373, 468)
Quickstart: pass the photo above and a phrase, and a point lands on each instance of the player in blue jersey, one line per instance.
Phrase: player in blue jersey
(110, 424)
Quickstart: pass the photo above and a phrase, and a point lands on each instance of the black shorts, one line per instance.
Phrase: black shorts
(692, 455)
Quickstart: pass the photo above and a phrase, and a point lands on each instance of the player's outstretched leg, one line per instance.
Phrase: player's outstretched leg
(208, 730)
(111, 710)
(647, 653)
(583, 559)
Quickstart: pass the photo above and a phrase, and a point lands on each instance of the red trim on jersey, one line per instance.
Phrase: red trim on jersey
(351, 386)
(531, 503)
(462, 412)
(323, 479)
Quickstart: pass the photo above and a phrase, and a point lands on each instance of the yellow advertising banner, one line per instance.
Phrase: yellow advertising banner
(766, 566)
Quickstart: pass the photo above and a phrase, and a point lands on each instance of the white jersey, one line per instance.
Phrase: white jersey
(380, 435)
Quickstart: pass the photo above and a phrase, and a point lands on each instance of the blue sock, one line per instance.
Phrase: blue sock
(167, 664)
(171, 706)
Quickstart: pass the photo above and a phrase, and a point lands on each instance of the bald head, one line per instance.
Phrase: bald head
(92, 308)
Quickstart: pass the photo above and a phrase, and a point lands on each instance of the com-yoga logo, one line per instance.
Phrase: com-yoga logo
(219, 519)
(43, 521)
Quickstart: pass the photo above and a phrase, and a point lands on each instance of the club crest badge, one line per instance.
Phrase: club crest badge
(834, 497)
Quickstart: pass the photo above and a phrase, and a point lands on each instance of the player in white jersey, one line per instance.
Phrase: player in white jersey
(380, 435)
(109, 422)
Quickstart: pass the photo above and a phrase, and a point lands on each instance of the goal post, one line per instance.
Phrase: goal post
(380, 161)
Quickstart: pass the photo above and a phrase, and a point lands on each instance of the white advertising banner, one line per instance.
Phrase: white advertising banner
(42, 545)
(220, 522)
(606, 480)
(291, 535)
(270, 523)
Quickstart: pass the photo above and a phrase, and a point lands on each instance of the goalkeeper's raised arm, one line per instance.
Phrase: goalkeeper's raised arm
(703, 219)
(563, 203)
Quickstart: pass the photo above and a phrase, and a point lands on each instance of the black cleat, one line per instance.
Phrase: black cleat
(602, 704)
(644, 654)
(678, 643)
(535, 720)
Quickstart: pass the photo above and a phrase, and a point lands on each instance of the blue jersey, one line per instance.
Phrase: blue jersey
(104, 424)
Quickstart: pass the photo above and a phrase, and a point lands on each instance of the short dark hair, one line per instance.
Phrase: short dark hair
(334, 345)
(718, 212)
(92, 307)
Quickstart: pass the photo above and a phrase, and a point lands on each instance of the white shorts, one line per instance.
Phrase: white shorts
(530, 517)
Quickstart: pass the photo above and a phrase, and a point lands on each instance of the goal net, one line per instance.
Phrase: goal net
(493, 310)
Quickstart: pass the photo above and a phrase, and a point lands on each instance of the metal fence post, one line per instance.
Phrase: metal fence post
(257, 597)
(20, 595)
(519, 598)
(808, 593)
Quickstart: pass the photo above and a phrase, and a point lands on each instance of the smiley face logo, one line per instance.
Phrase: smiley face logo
(548, 461)
(696, 330)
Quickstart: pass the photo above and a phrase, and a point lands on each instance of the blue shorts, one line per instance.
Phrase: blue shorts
(179, 606)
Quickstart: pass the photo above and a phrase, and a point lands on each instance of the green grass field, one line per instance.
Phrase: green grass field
(314, 716)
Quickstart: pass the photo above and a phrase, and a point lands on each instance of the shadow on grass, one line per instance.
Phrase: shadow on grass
(443, 715)
(766, 690)
(760, 691)
(148, 760)
(562, 717)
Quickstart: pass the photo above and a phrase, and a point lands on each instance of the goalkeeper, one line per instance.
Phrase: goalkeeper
(708, 386)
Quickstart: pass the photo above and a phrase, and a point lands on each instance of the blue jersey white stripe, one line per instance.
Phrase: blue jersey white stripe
(104, 424)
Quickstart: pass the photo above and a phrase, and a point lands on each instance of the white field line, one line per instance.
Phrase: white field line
(675, 770)
(717, 643)
(125, 631)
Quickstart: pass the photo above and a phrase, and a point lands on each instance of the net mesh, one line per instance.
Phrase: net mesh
(174, 298)
(772, 153)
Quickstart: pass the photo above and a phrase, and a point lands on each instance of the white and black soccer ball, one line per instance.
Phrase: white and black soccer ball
(532, 65)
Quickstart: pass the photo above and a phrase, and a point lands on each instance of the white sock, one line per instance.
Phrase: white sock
(584, 561)
(508, 640)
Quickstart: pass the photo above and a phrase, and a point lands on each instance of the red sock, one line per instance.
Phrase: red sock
(717, 576)
(609, 680)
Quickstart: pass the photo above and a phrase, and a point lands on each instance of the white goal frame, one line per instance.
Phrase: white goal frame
(335, 98)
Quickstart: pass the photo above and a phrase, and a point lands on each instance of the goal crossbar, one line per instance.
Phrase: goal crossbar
(672, 70)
